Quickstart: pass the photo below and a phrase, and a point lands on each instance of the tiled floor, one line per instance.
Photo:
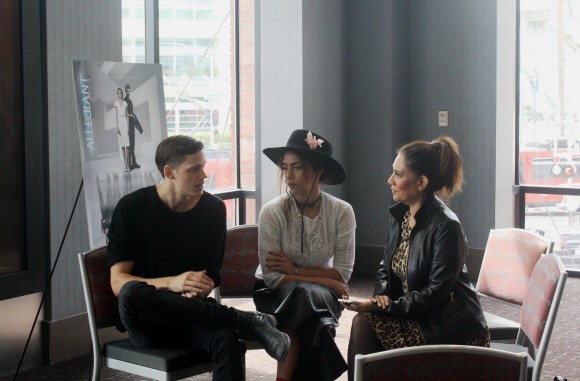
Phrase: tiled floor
(563, 358)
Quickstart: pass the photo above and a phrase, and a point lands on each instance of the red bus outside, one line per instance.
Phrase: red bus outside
(547, 166)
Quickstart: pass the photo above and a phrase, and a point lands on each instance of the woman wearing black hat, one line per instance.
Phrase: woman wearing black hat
(306, 247)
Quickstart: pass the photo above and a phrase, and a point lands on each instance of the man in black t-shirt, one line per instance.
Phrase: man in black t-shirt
(166, 245)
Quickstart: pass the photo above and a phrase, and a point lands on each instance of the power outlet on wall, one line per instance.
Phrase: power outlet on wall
(443, 118)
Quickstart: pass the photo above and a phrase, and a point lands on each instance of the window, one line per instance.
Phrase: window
(12, 236)
(549, 123)
(206, 49)
(23, 220)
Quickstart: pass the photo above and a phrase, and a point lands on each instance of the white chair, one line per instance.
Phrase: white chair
(538, 313)
(509, 259)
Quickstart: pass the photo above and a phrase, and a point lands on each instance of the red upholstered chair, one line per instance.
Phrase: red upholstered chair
(441, 363)
(508, 262)
(538, 313)
(239, 268)
(102, 310)
(239, 263)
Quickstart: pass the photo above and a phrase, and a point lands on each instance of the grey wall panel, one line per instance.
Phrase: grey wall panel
(376, 107)
(76, 30)
(323, 35)
(453, 68)
(281, 93)
(505, 159)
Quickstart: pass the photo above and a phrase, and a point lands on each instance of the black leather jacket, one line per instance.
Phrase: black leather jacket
(441, 298)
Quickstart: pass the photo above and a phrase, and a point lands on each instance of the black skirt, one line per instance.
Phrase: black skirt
(312, 312)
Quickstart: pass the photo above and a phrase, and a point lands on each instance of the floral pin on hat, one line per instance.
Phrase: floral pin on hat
(312, 141)
(314, 148)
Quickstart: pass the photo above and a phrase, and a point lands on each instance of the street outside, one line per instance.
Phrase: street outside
(563, 229)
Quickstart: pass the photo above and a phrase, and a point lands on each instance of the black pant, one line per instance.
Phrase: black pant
(157, 318)
(312, 312)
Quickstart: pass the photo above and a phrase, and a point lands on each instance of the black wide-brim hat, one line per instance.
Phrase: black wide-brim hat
(314, 148)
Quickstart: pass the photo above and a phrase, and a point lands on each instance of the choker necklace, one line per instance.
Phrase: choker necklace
(310, 204)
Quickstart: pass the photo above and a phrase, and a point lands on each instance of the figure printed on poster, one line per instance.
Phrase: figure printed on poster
(109, 96)
(133, 124)
(121, 121)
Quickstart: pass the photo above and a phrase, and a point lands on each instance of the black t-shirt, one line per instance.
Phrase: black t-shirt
(162, 242)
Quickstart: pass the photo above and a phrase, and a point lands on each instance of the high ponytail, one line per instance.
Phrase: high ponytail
(439, 161)
(450, 165)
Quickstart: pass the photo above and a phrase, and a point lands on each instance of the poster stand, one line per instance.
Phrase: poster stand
(48, 282)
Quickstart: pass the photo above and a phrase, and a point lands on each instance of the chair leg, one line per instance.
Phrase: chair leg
(244, 365)
(97, 364)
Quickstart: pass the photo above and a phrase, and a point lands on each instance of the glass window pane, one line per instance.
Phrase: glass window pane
(197, 52)
(204, 14)
(557, 218)
(247, 97)
(232, 212)
(251, 216)
(549, 93)
(199, 80)
(549, 120)
(133, 31)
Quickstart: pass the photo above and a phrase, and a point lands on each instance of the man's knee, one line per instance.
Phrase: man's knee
(133, 293)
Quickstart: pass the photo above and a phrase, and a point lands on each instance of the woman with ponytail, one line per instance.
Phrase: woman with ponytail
(306, 246)
(422, 294)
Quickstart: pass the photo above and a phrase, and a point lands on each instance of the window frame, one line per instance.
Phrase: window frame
(36, 258)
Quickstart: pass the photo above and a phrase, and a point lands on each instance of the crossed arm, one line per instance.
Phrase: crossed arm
(331, 278)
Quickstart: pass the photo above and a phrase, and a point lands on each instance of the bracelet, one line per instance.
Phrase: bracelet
(296, 270)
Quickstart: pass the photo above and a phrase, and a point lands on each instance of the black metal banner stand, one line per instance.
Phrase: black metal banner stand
(47, 286)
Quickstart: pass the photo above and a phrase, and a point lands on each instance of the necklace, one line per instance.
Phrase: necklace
(302, 207)
(310, 204)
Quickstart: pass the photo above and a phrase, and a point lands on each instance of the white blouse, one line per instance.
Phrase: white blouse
(329, 238)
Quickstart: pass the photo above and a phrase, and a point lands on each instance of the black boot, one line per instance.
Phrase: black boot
(261, 326)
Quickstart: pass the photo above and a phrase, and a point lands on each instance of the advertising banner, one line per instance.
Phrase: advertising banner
(121, 117)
